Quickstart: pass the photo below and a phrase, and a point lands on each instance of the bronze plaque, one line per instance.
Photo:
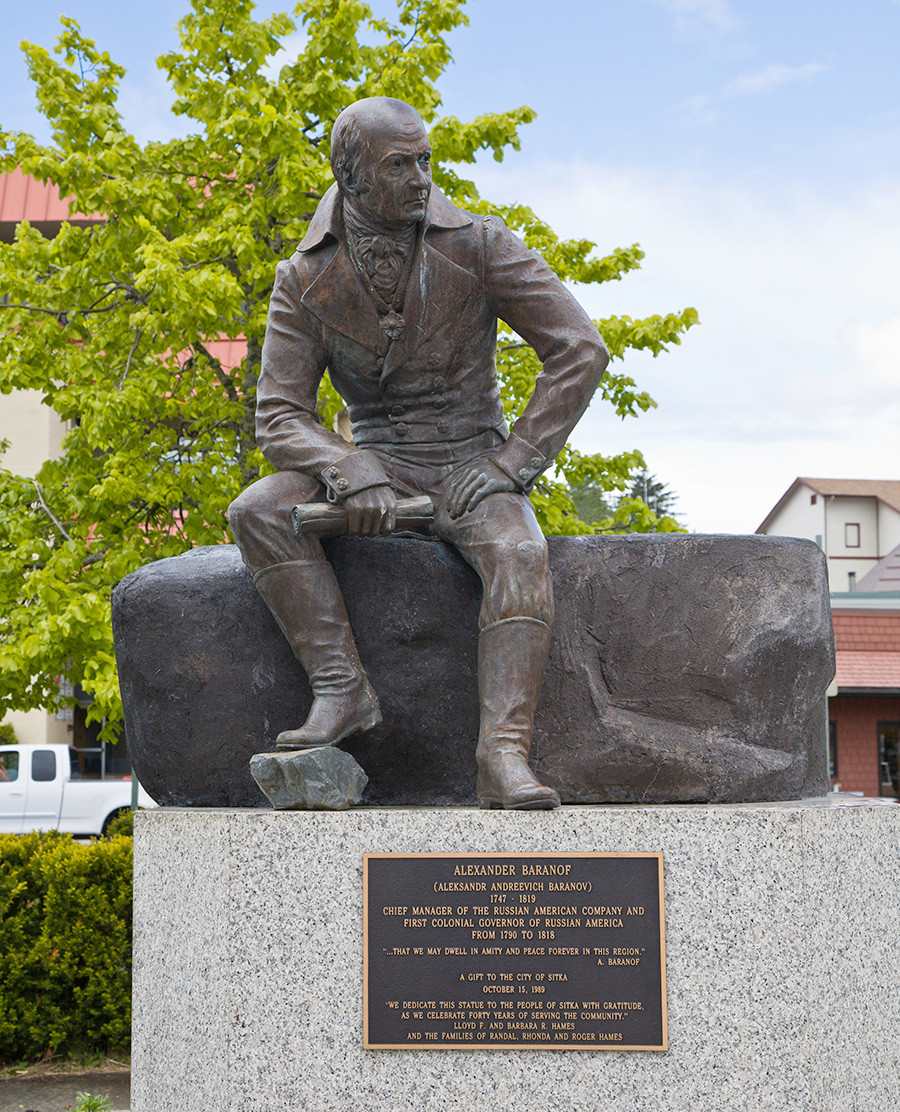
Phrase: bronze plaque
(485, 951)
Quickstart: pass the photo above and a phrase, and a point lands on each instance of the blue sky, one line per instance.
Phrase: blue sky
(753, 149)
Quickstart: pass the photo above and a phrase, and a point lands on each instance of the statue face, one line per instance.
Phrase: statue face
(398, 173)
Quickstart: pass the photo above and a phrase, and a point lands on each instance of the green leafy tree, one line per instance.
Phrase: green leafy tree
(646, 505)
(112, 321)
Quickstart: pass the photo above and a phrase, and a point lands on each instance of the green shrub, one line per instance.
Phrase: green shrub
(7, 734)
(123, 824)
(88, 1103)
(65, 958)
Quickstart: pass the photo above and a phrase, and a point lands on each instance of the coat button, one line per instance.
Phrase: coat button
(536, 462)
(333, 472)
(390, 390)
(438, 382)
(398, 410)
(442, 425)
(401, 429)
(524, 474)
(433, 359)
(342, 484)
(440, 403)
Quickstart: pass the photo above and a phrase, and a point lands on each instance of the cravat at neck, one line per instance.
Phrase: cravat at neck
(382, 258)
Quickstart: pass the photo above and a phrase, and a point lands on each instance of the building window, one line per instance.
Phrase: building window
(888, 746)
(813, 498)
(832, 750)
(851, 535)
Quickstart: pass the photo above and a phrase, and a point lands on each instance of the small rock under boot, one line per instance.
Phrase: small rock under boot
(326, 779)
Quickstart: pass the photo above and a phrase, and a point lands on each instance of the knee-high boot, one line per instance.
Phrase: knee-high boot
(306, 601)
(512, 655)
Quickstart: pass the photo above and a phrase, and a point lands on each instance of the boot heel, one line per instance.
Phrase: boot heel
(372, 721)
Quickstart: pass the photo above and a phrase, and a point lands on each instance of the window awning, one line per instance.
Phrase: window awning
(868, 673)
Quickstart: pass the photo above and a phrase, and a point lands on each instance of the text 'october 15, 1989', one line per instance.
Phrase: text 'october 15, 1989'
(516, 951)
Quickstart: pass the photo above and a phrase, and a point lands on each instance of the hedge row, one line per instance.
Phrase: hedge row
(65, 945)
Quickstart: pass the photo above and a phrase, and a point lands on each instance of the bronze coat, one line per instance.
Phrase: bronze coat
(437, 382)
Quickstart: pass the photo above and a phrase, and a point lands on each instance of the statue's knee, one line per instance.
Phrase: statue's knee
(242, 512)
(521, 586)
(531, 557)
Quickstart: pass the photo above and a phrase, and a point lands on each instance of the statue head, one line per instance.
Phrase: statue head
(381, 159)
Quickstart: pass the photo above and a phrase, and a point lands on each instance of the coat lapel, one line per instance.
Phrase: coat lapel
(338, 299)
(436, 293)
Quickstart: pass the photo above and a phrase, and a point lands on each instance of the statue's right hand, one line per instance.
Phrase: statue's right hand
(371, 512)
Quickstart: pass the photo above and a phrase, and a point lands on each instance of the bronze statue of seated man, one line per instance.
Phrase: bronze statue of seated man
(397, 293)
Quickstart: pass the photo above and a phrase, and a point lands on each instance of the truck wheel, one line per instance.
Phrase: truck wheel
(112, 822)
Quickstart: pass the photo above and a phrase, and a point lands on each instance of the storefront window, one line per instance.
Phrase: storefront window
(832, 750)
(888, 747)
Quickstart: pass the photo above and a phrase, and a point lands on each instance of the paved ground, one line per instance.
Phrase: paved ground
(56, 1092)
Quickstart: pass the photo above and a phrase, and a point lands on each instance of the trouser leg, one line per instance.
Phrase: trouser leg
(502, 541)
(299, 587)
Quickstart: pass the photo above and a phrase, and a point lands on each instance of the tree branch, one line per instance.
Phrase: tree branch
(34, 309)
(224, 379)
(137, 339)
(51, 514)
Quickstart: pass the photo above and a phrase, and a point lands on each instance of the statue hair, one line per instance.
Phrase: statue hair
(347, 161)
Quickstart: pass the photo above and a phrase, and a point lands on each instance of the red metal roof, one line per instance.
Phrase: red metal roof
(872, 671)
(866, 631)
(228, 352)
(25, 198)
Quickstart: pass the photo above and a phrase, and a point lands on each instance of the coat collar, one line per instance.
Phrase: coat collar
(326, 221)
(436, 292)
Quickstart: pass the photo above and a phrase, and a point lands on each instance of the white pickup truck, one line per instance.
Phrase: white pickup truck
(40, 789)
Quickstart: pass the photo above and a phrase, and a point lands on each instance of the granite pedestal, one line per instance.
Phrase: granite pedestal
(782, 955)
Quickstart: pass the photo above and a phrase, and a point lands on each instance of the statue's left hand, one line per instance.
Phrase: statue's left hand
(473, 481)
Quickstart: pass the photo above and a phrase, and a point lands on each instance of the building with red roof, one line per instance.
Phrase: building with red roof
(856, 522)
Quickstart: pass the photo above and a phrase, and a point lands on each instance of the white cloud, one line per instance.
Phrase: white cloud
(701, 109)
(715, 14)
(765, 80)
(795, 367)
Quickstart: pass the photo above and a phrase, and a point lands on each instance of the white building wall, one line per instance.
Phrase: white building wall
(800, 517)
(37, 727)
(847, 518)
(825, 521)
(888, 528)
(841, 512)
(35, 435)
(33, 430)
